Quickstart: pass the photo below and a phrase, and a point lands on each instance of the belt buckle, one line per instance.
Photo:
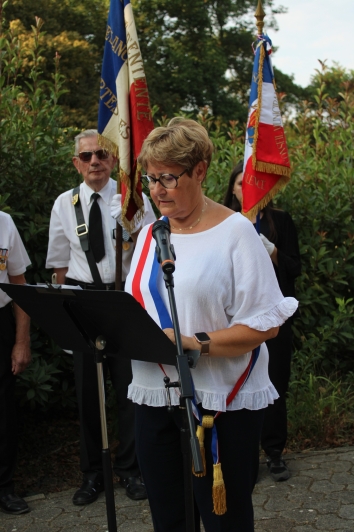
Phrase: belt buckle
(85, 231)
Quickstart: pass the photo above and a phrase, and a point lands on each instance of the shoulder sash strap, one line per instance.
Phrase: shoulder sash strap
(82, 232)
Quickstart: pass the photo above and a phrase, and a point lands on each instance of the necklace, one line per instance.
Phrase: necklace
(193, 224)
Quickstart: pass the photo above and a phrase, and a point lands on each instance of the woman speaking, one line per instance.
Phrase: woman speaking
(228, 303)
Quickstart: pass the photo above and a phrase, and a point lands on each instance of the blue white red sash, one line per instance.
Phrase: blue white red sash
(147, 272)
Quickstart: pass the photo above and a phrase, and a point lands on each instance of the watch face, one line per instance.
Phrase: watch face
(202, 337)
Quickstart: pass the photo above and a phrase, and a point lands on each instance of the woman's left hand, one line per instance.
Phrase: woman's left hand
(270, 247)
(267, 244)
(188, 342)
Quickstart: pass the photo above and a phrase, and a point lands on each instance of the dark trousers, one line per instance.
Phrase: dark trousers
(161, 463)
(8, 426)
(275, 429)
(125, 464)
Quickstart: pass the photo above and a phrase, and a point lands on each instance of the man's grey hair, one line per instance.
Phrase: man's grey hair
(83, 135)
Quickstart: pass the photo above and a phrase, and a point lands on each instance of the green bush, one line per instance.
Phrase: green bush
(321, 414)
(35, 167)
(320, 197)
(35, 150)
(321, 394)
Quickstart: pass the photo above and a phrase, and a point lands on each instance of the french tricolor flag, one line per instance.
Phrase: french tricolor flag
(124, 116)
(266, 163)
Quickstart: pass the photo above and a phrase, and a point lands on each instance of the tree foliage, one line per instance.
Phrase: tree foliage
(196, 54)
(75, 30)
(199, 54)
(335, 79)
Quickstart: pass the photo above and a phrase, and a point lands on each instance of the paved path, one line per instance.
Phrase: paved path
(318, 496)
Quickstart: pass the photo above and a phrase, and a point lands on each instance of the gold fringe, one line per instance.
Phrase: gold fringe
(219, 491)
(200, 436)
(259, 105)
(266, 199)
(272, 168)
(108, 145)
(260, 165)
(139, 202)
(124, 178)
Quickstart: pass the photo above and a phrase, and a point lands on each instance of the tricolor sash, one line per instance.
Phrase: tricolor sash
(147, 271)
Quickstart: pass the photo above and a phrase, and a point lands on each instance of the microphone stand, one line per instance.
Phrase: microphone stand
(185, 360)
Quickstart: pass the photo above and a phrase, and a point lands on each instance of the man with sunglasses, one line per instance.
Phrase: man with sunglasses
(73, 266)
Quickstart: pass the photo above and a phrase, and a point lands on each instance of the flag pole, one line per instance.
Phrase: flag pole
(119, 241)
(260, 14)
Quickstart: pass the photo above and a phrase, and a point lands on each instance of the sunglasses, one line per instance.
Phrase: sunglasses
(86, 156)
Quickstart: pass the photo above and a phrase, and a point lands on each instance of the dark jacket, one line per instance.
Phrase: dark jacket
(289, 264)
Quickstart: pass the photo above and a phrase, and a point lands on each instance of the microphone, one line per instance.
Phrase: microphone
(164, 249)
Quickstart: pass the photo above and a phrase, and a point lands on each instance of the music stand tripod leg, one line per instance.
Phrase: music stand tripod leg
(106, 455)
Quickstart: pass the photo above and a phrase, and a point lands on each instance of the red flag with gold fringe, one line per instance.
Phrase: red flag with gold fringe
(266, 164)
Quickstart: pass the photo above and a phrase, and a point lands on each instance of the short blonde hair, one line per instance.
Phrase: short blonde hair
(182, 141)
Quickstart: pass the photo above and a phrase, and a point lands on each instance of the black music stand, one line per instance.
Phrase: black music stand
(97, 323)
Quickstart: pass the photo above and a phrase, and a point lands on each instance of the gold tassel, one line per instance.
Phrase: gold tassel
(219, 491)
(200, 436)
(208, 422)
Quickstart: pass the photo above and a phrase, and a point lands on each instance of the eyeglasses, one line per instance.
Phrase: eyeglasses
(86, 156)
(166, 180)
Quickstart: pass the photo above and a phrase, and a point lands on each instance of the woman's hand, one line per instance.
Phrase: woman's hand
(267, 244)
(270, 247)
(188, 342)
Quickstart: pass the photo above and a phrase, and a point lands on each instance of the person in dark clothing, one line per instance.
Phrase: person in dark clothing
(15, 356)
(279, 236)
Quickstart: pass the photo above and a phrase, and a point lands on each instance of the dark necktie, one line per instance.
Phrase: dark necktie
(95, 229)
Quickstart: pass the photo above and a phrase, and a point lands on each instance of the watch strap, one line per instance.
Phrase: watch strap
(205, 348)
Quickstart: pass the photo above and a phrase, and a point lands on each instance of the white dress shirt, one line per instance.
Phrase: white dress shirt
(64, 248)
(15, 259)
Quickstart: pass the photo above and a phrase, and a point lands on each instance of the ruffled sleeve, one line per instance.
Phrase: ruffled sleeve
(273, 318)
(255, 298)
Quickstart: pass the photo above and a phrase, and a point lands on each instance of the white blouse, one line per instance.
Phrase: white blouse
(223, 277)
